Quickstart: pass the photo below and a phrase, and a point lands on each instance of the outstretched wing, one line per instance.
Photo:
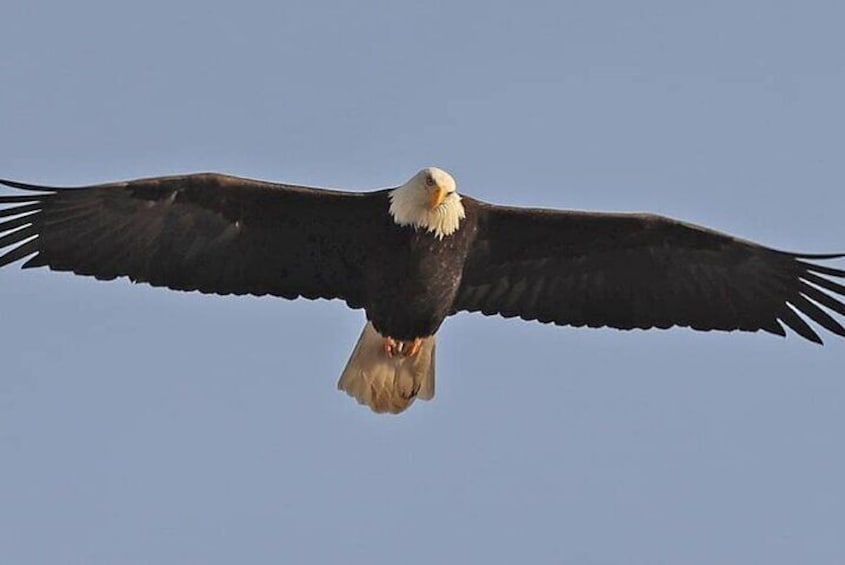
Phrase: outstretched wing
(207, 232)
(640, 271)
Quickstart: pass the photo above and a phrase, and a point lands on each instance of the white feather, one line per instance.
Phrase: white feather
(387, 384)
(409, 204)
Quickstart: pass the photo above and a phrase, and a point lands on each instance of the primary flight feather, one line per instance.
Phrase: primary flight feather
(411, 256)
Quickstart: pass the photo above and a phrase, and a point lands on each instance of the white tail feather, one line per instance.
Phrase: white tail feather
(384, 383)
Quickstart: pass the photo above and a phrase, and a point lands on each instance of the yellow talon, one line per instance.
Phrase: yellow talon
(411, 348)
(393, 347)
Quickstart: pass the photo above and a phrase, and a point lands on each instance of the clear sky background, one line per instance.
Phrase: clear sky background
(139, 426)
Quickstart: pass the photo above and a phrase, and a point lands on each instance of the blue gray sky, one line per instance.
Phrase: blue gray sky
(139, 426)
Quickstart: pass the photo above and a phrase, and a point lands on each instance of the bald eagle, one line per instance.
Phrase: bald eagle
(413, 255)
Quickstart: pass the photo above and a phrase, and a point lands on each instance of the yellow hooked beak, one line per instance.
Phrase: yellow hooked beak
(437, 196)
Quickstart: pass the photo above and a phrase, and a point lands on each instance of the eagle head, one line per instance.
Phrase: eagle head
(428, 201)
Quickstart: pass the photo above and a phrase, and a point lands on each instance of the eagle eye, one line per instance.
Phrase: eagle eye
(429, 181)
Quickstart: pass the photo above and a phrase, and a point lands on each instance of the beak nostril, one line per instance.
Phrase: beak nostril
(437, 197)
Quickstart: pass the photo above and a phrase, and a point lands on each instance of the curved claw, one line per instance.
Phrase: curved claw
(411, 348)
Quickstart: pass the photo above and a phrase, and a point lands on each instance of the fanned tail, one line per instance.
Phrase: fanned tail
(387, 384)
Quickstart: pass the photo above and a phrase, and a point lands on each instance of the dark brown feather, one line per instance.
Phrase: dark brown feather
(207, 232)
(639, 271)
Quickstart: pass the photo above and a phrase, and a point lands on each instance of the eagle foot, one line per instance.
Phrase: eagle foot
(411, 348)
(394, 347)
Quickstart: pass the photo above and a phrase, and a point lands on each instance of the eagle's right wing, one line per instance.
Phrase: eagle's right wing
(207, 232)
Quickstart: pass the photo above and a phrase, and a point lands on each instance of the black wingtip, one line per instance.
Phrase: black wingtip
(789, 317)
(818, 256)
(25, 186)
(822, 269)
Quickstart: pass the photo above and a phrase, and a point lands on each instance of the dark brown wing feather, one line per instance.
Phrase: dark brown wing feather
(640, 271)
(208, 232)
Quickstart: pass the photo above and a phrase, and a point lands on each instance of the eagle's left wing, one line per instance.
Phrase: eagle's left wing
(640, 271)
